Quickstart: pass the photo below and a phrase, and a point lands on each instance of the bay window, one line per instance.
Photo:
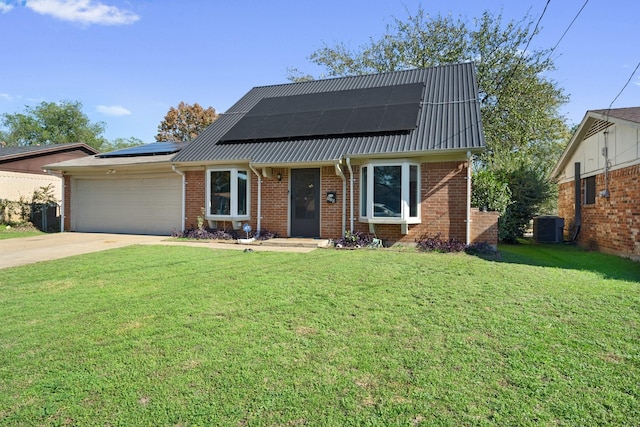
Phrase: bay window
(227, 194)
(390, 193)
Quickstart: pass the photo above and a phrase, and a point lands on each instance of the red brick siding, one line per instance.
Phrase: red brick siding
(195, 186)
(331, 213)
(612, 224)
(484, 227)
(443, 209)
(275, 201)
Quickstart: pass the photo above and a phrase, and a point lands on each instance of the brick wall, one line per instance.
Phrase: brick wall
(275, 201)
(195, 186)
(444, 193)
(610, 225)
(484, 227)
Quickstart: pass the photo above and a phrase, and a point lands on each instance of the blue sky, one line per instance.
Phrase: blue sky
(128, 62)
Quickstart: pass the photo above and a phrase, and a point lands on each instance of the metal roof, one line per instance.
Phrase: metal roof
(448, 120)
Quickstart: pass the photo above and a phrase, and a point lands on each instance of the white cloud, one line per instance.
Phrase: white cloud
(5, 7)
(113, 110)
(6, 97)
(85, 12)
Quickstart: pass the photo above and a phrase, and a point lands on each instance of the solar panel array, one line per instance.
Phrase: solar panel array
(153, 149)
(354, 111)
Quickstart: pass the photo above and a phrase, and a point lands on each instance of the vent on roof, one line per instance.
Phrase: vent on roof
(354, 111)
(596, 127)
(154, 149)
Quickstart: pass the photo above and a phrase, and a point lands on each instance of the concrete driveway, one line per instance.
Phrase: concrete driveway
(29, 250)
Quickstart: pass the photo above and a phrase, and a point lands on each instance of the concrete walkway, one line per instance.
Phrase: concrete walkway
(29, 250)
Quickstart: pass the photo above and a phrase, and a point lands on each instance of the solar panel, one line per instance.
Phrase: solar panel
(153, 149)
(370, 110)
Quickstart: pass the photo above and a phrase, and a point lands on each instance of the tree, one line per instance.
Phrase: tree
(185, 122)
(51, 123)
(120, 143)
(519, 104)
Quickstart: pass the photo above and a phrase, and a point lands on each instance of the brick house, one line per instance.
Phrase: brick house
(386, 153)
(599, 182)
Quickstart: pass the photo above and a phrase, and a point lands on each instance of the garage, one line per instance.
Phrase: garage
(133, 204)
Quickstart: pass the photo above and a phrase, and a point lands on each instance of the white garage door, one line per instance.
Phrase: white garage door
(133, 205)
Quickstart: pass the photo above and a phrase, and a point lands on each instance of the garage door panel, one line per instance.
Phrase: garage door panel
(137, 205)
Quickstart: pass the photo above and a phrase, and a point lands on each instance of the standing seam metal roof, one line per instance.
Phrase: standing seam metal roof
(449, 119)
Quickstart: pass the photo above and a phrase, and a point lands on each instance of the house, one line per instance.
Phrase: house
(387, 154)
(599, 182)
(22, 168)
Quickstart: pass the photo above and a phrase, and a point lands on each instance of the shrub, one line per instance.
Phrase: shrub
(436, 243)
(480, 248)
(203, 233)
(357, 239)
(264, 235)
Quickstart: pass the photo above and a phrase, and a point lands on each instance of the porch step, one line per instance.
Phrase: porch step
(296, 242)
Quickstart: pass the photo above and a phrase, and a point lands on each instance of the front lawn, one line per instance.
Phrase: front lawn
(182, 336)
(12, 232)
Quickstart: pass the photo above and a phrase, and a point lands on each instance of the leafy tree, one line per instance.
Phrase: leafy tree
(51, 123)
(489, 192)
(185, 122)
(120, 143)
(519, 104)
(531, 190)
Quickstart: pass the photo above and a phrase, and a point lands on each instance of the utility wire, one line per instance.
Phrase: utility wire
(568, 28)
(625, 86)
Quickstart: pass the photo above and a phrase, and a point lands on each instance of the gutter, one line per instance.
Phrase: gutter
(344, 197)
(350, 194)
(259, 219)
(184, 195)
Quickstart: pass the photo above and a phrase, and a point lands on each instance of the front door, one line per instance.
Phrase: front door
(305, 202)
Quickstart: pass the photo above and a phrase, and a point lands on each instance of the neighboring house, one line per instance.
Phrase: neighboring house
(387, 154)
(22, 168)
(599, 182)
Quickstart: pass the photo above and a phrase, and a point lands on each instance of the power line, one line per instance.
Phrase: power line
(625, 85)
(568, 28)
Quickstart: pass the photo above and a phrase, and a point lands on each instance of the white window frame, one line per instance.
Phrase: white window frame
(233, 216)
(404, 217)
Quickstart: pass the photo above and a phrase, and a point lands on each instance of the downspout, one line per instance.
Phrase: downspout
(184, 194)
(350, 194)
(259, 219)
(468, 197)
(344, 197)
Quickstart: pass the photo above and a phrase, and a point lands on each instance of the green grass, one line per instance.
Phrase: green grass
(182, 336)
(15, 232)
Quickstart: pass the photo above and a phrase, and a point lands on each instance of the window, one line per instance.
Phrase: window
(590, 190)
(228, 194)
(390, 193)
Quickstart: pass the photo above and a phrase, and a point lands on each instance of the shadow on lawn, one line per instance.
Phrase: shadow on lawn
(568, 256)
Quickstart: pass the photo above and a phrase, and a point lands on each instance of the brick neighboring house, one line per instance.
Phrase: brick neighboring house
(599, 182)
(385, 153)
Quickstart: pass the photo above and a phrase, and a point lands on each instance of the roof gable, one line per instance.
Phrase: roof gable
(594, 122)
(348, 116)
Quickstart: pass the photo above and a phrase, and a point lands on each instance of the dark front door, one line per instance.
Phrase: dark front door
(305, 202)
